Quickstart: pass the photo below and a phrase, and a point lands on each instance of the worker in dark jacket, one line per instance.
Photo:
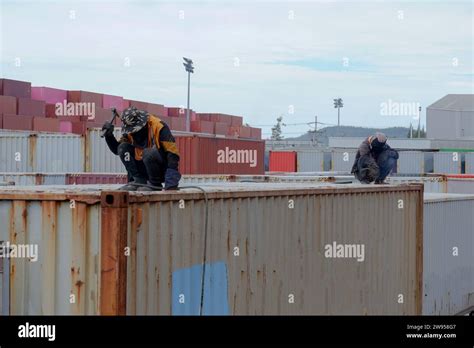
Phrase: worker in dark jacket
(374, 160)
(147, 150)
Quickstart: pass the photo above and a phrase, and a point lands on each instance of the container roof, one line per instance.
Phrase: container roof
(92, 193)
(457, 102)
(446, 197)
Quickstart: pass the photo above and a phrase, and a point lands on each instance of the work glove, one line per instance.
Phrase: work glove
(172, 178)
(108, 129)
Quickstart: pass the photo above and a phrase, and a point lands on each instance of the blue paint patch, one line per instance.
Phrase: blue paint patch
(186, 290)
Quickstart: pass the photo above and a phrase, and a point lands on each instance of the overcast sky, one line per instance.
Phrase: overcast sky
(258, 59)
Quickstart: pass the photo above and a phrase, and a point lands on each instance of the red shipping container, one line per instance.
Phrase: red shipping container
(79, 128)
(95, 179)
(50, 111)
(17, 122)
(49, 95)
(202, 127)
(176, 112)
(221, 118)
(203, 117)
(157, 109)
(236, 121)
(139, 105)
(72, 118)
(1, 121)
(126, 104)
(245, 132)
(15, 88)
(45, 124)
(166, 120)
(31, 107)
(221, 128)
(101, 116)
(282, 161)
(7, 105)
(83, 96)
(209, 155)
(255, 133)
(234, 132)
(112, 101)
(65, 126)
(178, 124)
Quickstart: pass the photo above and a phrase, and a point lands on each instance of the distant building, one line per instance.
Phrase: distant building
(451, 117)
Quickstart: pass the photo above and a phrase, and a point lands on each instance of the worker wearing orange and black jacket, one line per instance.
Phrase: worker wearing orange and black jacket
(147, 150)
(374, 160)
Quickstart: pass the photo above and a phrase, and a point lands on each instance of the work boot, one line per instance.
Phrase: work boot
(150, 188)
(380, 182)
(128, 187)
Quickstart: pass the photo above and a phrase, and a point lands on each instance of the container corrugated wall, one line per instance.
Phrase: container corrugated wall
(281, 232)
(280, 253)
(38, 152)
(469, 158)
(447, 162)
(68, 241)
(411, 162)
(57, 152)
(458, 185)
(310, 161)
(343, 160)
(448, 262)
(14, 153)
(28, 179)
(99, 158)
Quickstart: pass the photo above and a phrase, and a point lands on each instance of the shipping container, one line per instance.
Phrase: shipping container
(178, 124)
(411, 162)
(99, 158)
(41, 152)
(46, 124)
(460, 184)
(310, 161)
(18, 122)
(49, 95)
(469, 159)
(447, 162)
(283, 265)
(202, 127)
(57, 152)
(157, 109)
(95, 178)
(210, 155)
(29, 179)
(342, 160)
(8, 105)
(283, 161)
(433, 184)
(112, 101)
(448, 257)
(15, 88)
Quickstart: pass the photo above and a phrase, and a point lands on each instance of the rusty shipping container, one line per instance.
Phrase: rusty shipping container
(256, 249)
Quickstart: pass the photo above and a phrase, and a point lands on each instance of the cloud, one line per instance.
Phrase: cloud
(252, 58)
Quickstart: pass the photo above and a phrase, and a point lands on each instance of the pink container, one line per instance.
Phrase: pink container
(65, 127)
(112, 101)
(49, 95)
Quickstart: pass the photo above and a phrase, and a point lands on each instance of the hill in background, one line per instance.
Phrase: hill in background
(349, 131)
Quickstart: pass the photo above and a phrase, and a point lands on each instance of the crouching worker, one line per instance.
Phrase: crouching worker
(147, 150)
(374, 160)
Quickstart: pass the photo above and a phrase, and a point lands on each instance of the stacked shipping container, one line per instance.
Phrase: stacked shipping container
(46, 109)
